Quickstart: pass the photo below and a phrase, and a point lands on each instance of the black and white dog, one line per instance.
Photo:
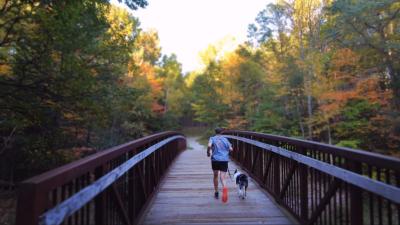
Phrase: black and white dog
(242, 183)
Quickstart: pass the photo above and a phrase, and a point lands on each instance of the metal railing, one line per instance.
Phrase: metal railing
(319, 183)
(110, 187)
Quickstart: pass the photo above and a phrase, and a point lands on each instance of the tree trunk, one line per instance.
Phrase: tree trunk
(166, 101)
(299, 117)
(88, 133)
(309, 110)
(395, 79)
(329, 134)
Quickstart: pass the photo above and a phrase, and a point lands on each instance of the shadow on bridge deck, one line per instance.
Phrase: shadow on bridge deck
(186, 197)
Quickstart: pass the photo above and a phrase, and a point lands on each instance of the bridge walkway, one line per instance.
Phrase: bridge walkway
(186, 197)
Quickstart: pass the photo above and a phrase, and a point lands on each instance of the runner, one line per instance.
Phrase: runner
(220, 147)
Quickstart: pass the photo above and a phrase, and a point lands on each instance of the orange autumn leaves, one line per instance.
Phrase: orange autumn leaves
(348, 84)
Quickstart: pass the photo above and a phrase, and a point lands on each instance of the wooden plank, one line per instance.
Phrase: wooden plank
(186, 196)
(385, 190)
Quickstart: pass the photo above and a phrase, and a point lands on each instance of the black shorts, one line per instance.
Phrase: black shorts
(219, 165)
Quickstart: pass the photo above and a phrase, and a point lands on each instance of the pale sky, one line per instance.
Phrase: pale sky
(186, 27)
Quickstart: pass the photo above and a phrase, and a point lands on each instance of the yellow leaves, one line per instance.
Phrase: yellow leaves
(344, 63)
(345, 56)
(237, 123)
(5, 70)
(208, 55)
(306, 15)
(190, 78)
(121, 25)
(218, 51)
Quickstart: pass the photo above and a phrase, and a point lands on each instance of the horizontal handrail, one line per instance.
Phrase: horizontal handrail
(354, 154)
(57, 214)
(58, 176)
(319, 183)
(86, 181)
(374, 186)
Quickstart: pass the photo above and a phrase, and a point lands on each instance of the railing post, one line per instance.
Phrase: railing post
(356, 203)
(131, 190)
(303, 189)
(31, 203)
(100, 207)
(277, 175)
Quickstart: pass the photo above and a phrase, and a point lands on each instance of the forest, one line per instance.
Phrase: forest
(80, 76)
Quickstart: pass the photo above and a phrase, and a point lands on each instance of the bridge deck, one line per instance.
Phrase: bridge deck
(186, 197)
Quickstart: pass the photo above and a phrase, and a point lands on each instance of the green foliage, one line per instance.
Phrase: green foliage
(207, 102)
(349, 143)
(135, 4)
(355, 120)
(66, 82)
(372, 28)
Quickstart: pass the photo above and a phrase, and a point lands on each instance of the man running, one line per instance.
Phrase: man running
(220, 147)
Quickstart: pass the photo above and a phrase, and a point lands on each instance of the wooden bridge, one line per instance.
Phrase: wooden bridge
(152, 180)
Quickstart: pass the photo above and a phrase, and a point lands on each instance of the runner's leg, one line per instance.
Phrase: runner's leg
(216, 180)
(222, 177)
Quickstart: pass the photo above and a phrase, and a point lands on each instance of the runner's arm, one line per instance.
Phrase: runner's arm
(230, 147)
(209, 148)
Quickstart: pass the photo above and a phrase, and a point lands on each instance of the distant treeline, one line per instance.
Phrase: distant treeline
(320, 70)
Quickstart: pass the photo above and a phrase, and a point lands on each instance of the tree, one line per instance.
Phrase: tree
(63, 78)
(370, 27)
(207, 103)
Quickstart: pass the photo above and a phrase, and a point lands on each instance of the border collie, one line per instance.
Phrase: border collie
(242, 183)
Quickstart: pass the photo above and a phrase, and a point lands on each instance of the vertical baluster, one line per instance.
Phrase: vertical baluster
(325, 185)
(63, 195)
(54, 197)
(131, 189)
(380, 220)
(335, 197)
(389, 206)
(303, 186)
(397, 177)
(76, 189)
(319, 184)
(371, 199)
(276, 177)
(313, 186)
(341, 203)
(88, 208)
(100, 213)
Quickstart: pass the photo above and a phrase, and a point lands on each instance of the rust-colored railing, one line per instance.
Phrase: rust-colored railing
(109, 187)
(319, 183)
